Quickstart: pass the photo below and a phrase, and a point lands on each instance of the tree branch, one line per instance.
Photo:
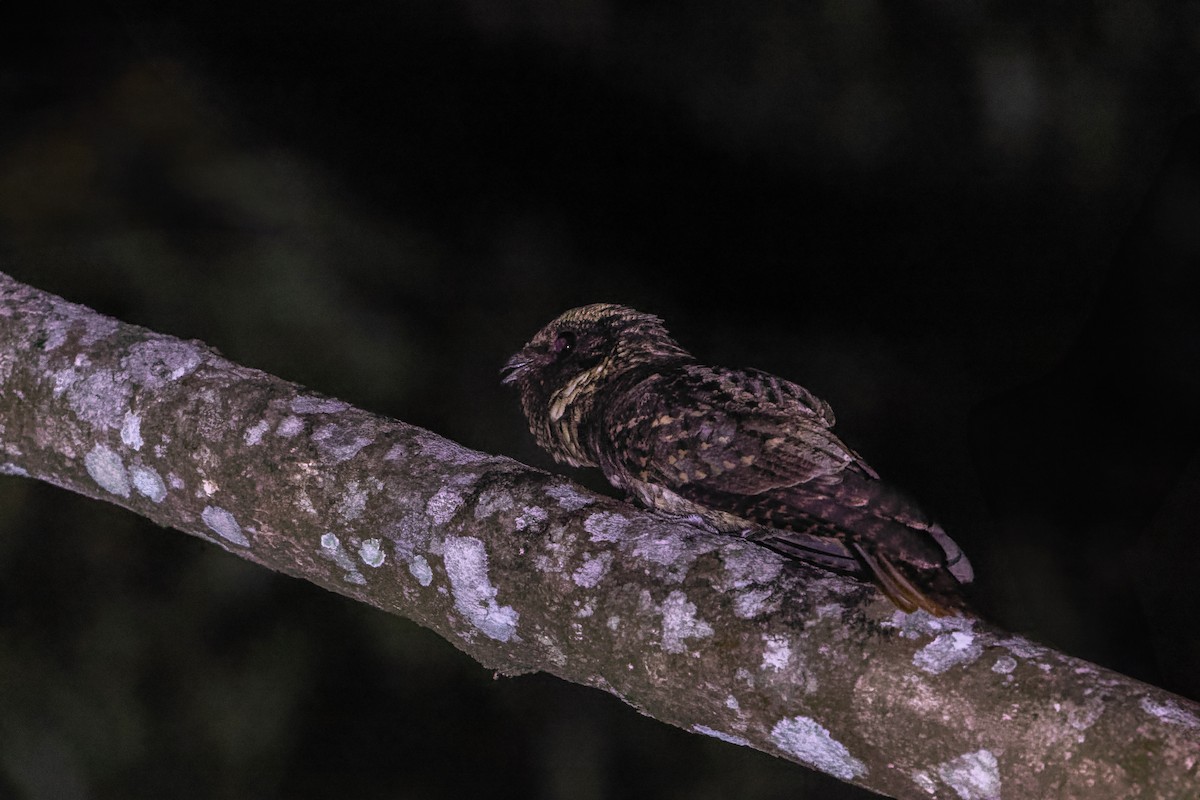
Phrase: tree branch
(526, 571)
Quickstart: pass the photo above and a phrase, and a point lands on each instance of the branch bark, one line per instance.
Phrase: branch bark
(525, 571)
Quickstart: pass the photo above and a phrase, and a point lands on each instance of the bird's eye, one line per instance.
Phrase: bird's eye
(564, 343)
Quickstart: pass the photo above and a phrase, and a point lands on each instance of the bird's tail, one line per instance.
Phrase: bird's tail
(905, 584)
(903, 592)
(867, 528)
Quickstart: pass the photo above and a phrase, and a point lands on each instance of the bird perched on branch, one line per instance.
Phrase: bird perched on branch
(746, 452)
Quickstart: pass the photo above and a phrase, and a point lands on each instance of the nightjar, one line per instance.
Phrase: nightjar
(747, 452)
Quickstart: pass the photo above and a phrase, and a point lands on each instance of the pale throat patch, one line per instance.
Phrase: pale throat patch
(564, 397)
(566, 430)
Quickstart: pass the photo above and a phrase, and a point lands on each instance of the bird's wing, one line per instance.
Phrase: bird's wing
(760, 448)
(737, 432)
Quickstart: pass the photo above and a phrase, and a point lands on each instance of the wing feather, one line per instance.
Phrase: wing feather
(736, 431)
(761, 448)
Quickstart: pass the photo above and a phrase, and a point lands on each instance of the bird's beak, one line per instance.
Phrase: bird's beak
(516, 367)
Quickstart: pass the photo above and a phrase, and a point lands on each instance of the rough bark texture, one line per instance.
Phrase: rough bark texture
(526, 571)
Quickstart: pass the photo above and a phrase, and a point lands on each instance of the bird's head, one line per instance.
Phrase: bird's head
(564, 367)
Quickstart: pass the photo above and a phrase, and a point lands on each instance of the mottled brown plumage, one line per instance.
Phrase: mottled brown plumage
(747, 452)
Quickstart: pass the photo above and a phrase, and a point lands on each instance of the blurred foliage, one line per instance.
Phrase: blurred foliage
(971, 228)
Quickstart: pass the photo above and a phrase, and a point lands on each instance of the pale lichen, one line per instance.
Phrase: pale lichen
(1004, 665)
(724, 737)
(148, 483)
(442, 507)
(752, 603)
(161, 360)
(225, 525)
(679, 623)
(97, 396)
(254, 434)
(568, 497)
(131, 431)
(972, 776)
(1082, 716)
(532, 518)
(466, 563)
(777, 653)
(107, 470)
(65, 318)
(307, 404)
(921, 623)
(352, 502)
(331, 548)
(809, 742)
(749, 565)
(493, 501)
(420, 569)
(1170, 712)
(447, 451)
(605, 526)
(371, 552)
(289, 427)
(339, 443)
(1023, 648)
(946, 651)
(663, 549)
(593, 570)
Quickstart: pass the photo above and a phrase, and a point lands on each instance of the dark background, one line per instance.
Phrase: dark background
(974, 230)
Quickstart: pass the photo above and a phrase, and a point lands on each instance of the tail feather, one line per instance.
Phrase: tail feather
(898, 588)
(858, 526)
